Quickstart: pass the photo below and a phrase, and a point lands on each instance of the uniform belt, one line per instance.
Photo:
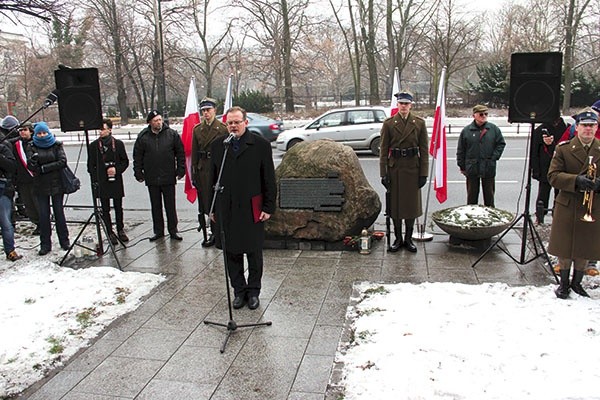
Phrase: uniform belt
(203, 154)
(407, 152)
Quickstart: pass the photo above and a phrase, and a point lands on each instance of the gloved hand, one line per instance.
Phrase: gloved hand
(139, 177)
(584, 183)
(385, 181)
(422, 181)
(597, 185)
(180, 176)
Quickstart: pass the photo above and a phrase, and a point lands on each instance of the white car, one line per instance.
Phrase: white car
(357, 127)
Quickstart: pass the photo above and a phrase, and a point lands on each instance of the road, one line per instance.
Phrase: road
(510, 191)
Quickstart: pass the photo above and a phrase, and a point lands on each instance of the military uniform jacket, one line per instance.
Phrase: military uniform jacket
(404, 172)
(570, 237)
(477, 150)
(247, 176)
(203, 136)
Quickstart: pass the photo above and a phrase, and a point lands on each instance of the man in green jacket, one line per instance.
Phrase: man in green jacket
(480, 146)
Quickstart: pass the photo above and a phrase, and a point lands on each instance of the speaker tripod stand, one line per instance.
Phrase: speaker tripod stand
(528, 229)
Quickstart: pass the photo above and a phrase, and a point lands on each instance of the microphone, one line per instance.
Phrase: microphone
(51, 98)
(229, 139)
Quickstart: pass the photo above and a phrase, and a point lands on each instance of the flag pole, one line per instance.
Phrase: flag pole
(421, 235)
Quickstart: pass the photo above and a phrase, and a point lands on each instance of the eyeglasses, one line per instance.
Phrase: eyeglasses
(231, 123)
(483, 114)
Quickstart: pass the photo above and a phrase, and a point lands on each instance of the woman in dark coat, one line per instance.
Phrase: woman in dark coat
(107, 160)
(45, 158)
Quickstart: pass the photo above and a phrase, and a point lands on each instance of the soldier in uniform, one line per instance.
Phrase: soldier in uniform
(403, 166)
(203, 135)
(572, 240)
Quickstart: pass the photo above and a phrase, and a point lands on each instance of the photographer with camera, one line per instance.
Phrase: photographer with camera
(544, 140)
(107, 160)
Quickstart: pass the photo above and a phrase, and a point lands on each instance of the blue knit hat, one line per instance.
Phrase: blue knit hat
(40, 127)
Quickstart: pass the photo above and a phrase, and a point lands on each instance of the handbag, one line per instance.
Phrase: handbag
(70, 182)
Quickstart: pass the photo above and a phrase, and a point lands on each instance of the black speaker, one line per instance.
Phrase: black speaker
(535, 87)
(79, 104)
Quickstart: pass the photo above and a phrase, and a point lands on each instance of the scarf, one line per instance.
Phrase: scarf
(44, 142)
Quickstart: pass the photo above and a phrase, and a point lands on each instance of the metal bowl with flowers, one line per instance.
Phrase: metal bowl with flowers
(472, 222)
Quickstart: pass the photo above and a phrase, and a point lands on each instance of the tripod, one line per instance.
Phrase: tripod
(528, 228)
(231, 325)
(97, 215)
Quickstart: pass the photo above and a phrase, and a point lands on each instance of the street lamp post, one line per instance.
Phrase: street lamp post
(162, 93)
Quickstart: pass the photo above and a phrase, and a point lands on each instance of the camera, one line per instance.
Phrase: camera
(111, 178)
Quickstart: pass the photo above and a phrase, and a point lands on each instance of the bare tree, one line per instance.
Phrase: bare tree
(455, 42)
(276, 26)
(368, 35)
(42, 9)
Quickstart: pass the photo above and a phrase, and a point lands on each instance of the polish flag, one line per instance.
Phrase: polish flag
(192, 118)
(437, 147)
(395, 89)
(228, 99)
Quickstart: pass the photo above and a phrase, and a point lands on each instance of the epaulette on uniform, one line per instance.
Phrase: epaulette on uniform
(563, 142)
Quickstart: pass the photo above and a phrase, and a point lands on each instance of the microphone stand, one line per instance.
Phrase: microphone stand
(50, 99)
(231, 325)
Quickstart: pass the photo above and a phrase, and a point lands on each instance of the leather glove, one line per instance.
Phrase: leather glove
(385, 181)
(584, 183)
(422, 181)
(139, 177)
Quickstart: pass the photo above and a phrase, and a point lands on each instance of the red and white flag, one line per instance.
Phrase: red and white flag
(191, 119)
(395, 89)
(437, 147)
(228, 99)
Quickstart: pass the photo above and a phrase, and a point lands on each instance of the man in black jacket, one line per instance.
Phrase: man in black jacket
(245, 203)
(159, 160)
(24, 177)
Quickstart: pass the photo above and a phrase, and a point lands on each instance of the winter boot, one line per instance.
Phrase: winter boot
(562, 291)
(576, 283)
(408, 243)
(398, 242)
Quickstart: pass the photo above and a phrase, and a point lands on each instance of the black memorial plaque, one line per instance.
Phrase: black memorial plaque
(319, 194)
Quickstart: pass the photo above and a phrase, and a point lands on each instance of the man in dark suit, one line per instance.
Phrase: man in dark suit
(245, 203)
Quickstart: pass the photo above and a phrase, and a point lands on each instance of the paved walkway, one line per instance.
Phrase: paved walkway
(163, 350)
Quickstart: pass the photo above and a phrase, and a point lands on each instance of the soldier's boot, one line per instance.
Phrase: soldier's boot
(398, 242)
(562, 291)
(576, 283)
(408, 243)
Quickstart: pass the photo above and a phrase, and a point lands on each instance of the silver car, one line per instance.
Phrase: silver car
(357, 127)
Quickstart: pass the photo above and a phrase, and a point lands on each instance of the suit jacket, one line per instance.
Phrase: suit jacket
(570, 237)
(247, 175)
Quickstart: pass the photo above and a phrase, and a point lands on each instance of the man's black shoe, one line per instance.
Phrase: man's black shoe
(410, 246)
(123, 237)
(176, 236)
(209, 242)
(239, 302)
(396, 245)
(157, 236)
(253, 302)
(43, 252)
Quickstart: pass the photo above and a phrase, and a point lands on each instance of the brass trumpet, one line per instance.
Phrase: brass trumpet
(588, 196)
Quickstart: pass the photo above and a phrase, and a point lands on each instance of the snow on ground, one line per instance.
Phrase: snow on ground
(455, 341)
(49, 312)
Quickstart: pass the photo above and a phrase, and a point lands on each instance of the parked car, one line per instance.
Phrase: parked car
(357, 127)
(266, 127)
